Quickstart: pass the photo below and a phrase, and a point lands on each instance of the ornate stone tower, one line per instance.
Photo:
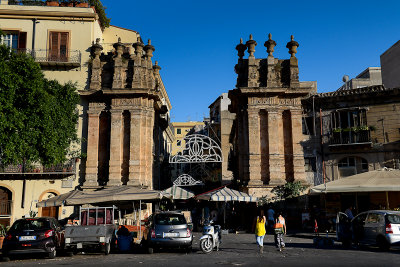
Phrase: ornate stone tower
(268, 126)
(127, 109)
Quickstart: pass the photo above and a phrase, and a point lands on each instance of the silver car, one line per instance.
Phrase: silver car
(168, 229)
(376, 227)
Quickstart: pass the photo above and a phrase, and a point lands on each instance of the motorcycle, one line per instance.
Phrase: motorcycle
(211, 237)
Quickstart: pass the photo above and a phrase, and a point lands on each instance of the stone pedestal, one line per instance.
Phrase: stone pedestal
(116, 145)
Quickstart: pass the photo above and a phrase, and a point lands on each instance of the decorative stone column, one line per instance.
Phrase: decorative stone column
(148, 181)
(253, 68)
(271, 73)
(95, 79)
(116, 144)
(276, 151)
(254, 147)
(294, 64)
(298, 155)
(118, 66)
(136, 150)
(93, 144)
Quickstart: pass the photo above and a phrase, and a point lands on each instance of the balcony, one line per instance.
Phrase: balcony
(59, 58)
(5, 207)
(350, 137)
(38, 171)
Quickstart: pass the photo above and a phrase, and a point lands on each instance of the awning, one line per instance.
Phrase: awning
(57, 200)
(113, 195)
(175, 192)
(373, 181)
(226, 194)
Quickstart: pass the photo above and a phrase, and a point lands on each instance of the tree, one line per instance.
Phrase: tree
(38, 117)
(288, 190)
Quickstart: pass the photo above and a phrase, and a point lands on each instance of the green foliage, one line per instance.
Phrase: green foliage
(101, 12)
(38, 117)
(4, 230)
(288, 190)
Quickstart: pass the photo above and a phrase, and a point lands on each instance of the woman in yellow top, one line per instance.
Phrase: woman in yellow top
(260, 230)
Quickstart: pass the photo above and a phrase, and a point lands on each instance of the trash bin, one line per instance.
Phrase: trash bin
(124, 242)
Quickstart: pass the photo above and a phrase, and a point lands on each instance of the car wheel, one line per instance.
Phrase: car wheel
(107, 248)
(5, 259)
(150, 250)
(53, 253)
(382, 243)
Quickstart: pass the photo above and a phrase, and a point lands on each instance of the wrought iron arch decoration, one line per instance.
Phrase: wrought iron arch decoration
(198, 148)
(186, 180)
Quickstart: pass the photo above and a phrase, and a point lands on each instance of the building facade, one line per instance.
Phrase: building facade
(268, 125)
(120, 90)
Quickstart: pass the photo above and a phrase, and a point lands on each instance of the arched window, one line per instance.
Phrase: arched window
(352, 165)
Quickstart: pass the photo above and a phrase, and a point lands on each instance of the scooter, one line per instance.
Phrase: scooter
(211, 237)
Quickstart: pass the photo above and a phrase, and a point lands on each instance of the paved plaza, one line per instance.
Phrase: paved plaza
(236, 250)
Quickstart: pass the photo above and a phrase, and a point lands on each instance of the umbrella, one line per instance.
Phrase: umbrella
(178, 193)
(57, 200)
(226, 194)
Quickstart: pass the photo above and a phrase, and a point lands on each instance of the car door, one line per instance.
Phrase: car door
(358, 224)
(371, 227)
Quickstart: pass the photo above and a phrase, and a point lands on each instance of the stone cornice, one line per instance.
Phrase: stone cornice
(46, 12)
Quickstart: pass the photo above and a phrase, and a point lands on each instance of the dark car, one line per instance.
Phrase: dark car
(168, 229)
(34, 235)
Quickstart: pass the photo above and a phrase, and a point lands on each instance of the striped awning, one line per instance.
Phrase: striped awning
(175, 192)
(226, 194)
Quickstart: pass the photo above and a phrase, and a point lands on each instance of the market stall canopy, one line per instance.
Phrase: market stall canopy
(114, 194)
(372, 181)
(226, 194)
(57, 200)
(175, 192)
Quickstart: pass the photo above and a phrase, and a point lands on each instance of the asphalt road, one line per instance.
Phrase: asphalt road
(236, 250)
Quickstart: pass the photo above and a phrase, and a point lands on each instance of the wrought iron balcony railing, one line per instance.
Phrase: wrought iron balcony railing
(350, 137)
(5, 207)
(57, 56)
(37, 169)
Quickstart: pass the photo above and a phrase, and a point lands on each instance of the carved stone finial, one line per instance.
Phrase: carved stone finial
(251, 46)
(270, 44)
(98, 41)
(119, 40)
(138, 46)
(241, 48)
(156, 67)
(119, 47)
(292, 46)
(96, 48)
(149, 49)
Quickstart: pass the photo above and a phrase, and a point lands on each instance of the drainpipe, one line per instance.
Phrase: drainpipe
(35, 21)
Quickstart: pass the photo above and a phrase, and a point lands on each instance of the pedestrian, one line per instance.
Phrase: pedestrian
(271, 219)
(259, 225)
(349, 212)
(280, 230)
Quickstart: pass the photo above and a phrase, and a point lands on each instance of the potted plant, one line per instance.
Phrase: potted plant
(67, 3)
(81, 3)
(52, 3)
(3, 232)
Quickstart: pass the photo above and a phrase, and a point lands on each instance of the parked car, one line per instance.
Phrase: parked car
(34, 235)
(168, 229)
(374, 227)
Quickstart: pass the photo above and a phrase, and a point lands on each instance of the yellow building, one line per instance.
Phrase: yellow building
(59, 38)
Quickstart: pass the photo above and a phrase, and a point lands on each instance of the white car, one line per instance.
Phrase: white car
(376, 227)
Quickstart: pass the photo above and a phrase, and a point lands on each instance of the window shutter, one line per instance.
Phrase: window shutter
(22, 40)
(63, 45)
(54, 44)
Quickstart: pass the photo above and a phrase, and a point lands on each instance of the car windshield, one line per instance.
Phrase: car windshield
(31, 224)
(393, 218)
(170, 219)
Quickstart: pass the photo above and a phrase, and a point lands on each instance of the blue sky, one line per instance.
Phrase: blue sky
(195, 40)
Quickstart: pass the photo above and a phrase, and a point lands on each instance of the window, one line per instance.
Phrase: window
(352, 165)
(15, 40)
(310, 164)
(308, 125)
(169, 219)
(58, 46)
(179, 142)
(373, 218)
(178, 131)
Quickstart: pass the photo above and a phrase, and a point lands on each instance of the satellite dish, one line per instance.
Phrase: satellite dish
(345, 78)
